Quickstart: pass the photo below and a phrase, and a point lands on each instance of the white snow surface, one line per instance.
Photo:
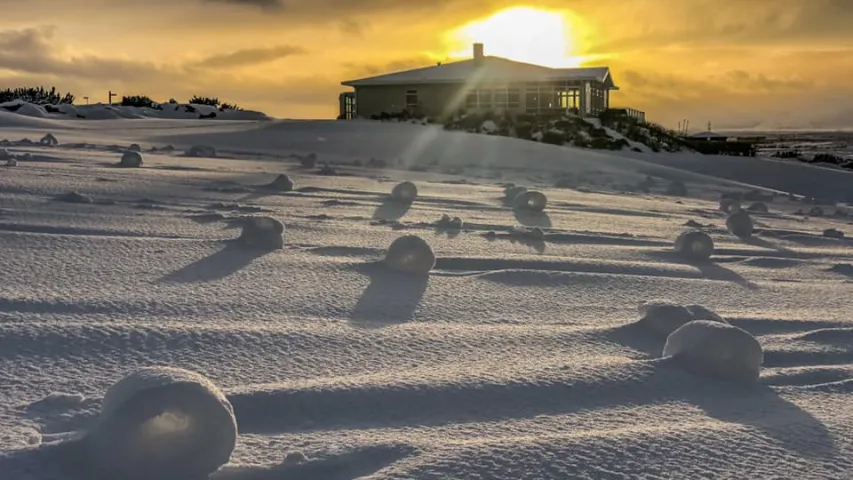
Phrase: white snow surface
(512, 359)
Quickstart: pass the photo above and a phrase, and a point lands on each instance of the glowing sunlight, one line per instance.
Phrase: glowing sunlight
(523, 34)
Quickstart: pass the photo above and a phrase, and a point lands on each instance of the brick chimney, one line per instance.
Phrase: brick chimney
(478, 53)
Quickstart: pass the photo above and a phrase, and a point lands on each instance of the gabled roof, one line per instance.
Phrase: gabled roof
(491, 68)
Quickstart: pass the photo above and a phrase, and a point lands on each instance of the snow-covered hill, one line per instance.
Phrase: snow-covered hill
(519, 356)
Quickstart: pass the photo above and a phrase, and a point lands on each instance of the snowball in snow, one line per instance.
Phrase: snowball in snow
(131, 159)
(404, 192)
(73, 197)
(739, 224)
(4, 154)
(134, 147)
(163, 422)
(262, 232)
(531, 200)
(282, 183)
(833, 233)
(729, 205)
(511, 193)
(758, 207)
(49, 140)
(11, 162)
(410, 254)
(717, 350)
(662, 317)
(694, 245)
(204, 151)
(309, 161)
(489, 126)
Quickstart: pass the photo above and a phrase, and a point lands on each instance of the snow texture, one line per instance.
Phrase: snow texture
(717, 350)
(518, 356)
(162, 422)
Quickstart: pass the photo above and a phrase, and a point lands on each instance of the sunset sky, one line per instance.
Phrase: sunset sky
(738, 63)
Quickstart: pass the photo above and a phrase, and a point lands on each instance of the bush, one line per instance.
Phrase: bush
(213, 102)
(554, 137)
(524, 130)
(230, 106)
(36, 96)
(142, 101)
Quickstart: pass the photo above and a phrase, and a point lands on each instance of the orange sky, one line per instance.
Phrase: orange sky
(738, 63)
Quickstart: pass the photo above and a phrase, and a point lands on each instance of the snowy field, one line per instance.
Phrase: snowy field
(517, 357)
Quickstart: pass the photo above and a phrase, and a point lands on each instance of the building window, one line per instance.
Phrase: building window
(513, 98)
(471, 100)
(411, 99)
(484, 98)
(500, 98)
(531, 98)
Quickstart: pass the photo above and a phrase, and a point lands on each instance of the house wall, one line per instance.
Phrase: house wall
(439, 100)
(433, 100)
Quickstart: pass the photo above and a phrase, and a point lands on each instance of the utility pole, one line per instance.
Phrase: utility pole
(111, 96)
(87, 100)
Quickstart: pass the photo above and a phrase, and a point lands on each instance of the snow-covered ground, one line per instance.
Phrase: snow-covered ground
(514, 359)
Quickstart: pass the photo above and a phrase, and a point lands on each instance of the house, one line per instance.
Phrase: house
(482, 83)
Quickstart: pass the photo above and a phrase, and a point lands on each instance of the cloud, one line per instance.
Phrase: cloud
(250, 56)
(262, 4)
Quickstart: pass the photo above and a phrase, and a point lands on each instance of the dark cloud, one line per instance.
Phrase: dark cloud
(250, 56)
(262, 4)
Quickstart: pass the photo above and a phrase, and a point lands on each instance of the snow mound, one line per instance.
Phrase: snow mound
(531, 200)
(663, 317)
(694, 245)
(716, 350)
(739, 224)
(163, 422)
(99, 111)
(410, 254)
(134, 147)
(262, 232)
(131, 159)
(404, 192)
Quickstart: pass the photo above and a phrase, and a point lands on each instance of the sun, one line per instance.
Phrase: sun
(524, 34)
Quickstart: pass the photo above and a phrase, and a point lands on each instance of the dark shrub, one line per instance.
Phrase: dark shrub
(198, 100)
(36, 96)
(139, 101)
(554, 137)
(524, 130)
